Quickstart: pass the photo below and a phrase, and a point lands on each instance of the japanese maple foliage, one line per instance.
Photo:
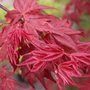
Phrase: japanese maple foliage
(7, 80)
(77, 8)
(43, 47)
(76, 11)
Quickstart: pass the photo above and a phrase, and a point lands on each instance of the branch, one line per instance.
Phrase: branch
(4, 8)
